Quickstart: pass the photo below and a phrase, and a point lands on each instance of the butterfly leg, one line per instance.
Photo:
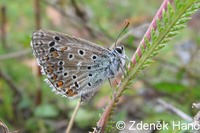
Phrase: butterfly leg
(122, 69)
(116, 82)
(109, 79)
(127, 59)
(110, 82)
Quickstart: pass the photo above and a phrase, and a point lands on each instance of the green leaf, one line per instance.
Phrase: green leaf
(169, 87)
(83, 117)
(149, 61)
(137, 57)
(46, 110)
(178, 27)
(159, 25)
(165, 18)
(154, 53)
(170, 10)
(165, 40)
(183, 20)
(147, 42)
(153, 35)
(142, 49)
(160, 47)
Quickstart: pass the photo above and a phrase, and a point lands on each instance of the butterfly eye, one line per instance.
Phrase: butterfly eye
(119, 50)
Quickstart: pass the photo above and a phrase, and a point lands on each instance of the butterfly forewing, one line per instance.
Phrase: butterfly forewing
(73, 66)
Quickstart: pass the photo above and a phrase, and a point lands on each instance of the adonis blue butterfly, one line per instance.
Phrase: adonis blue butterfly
(74, 66)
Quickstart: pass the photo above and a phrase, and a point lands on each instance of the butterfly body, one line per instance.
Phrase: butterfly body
(74, 66)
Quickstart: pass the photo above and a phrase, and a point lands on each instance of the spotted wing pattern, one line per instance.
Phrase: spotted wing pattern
(74, 67)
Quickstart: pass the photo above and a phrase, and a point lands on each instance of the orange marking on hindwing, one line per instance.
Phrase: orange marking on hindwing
(49, 70)
(46, 58)
(70, 93)
(59, 84)
(55, 54)
(54, 77)
(63, 49)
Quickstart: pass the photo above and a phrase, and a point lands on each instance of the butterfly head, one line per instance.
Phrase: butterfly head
(120, 52)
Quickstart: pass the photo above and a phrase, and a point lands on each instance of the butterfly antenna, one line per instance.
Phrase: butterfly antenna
(126, 24)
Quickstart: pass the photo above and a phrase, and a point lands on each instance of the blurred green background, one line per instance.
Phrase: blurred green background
(27, 103)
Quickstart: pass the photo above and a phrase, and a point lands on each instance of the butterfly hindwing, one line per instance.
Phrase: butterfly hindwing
(73, 66)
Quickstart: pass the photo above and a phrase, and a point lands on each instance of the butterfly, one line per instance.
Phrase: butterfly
(74, 66)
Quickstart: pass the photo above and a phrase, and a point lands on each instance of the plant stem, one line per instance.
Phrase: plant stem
(71, 122)
(108, 110)
(152, 25)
